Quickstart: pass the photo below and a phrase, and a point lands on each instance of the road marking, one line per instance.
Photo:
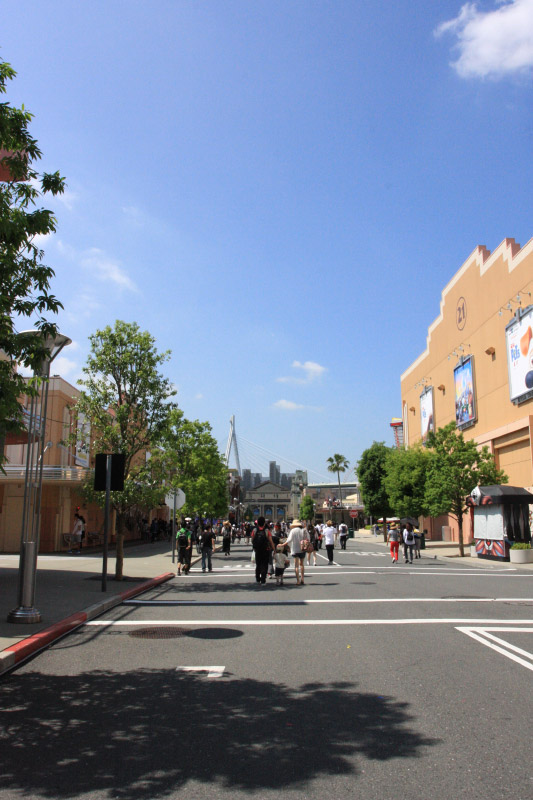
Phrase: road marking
(264, 622)
(500, 645)
(308, 602)
(212, 672)
(466, 572)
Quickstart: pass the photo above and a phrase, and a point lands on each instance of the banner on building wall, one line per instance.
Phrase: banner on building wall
(81, 456)
(427, 412)
(519, 346)
(465, 394)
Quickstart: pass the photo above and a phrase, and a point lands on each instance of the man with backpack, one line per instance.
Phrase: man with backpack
(343, 534)
(184, 542)
(408, 542)
(262, 544)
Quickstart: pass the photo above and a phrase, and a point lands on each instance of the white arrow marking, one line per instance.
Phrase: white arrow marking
(212, 672)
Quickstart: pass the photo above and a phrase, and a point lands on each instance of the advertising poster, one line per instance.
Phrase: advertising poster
(81, 457)
(465, 406)
(519, 346)
(426, 413)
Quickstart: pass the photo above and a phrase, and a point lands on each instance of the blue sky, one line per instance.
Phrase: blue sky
(277, 190)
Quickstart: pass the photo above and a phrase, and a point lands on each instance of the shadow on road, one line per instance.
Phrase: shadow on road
(145, 734)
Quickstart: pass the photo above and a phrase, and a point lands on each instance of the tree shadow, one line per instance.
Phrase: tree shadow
(146, 733)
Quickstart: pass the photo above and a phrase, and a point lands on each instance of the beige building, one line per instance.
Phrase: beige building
(269, 500)
(477, 367)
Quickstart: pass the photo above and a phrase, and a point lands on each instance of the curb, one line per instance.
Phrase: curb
(16, 653)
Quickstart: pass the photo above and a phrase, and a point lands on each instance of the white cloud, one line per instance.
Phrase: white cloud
(312, 372)
(105, 269)
(492, 43)
(199, 396)
(64, 366)
(288, 405)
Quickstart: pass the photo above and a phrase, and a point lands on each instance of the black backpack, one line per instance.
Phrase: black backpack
(410, 538)
(183, 539)
(260, 539)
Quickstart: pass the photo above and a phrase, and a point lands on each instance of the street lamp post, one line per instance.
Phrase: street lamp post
(33, 482)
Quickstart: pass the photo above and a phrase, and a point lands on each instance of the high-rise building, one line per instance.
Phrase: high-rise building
(246, 482)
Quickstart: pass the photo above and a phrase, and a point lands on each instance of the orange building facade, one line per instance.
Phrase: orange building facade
(65, 468)
(477, 368)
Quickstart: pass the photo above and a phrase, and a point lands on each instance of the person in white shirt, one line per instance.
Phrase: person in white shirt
(408, 543)
(297, 536)
(328, 535)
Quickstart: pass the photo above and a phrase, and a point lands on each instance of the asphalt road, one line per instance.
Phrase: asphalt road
(373, 680)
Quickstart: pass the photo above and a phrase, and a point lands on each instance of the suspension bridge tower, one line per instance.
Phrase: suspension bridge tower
(232, 443)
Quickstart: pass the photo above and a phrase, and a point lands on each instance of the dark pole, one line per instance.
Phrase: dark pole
(106, 520)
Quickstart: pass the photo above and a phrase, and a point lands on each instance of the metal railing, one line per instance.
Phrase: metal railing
(50, 473)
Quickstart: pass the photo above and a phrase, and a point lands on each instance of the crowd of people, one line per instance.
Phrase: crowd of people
(273, 545)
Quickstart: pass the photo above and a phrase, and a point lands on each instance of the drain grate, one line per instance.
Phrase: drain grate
(159, 632)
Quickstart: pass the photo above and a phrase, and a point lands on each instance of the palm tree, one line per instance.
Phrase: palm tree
(338, 464)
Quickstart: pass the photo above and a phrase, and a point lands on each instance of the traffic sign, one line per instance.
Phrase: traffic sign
(180, 499)
(354, 514)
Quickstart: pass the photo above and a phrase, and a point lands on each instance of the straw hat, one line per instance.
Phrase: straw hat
(296, 524)
(329, 522)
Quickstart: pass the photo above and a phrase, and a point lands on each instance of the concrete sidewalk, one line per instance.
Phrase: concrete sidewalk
(444, 550)
(69, 591)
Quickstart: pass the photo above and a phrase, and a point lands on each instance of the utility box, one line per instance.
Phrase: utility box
(500, 516)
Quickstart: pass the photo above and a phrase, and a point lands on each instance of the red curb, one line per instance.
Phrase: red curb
(32, 644)
(26, 647)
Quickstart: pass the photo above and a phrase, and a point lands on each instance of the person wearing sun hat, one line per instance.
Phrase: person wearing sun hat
(393, 539)
(298, 543)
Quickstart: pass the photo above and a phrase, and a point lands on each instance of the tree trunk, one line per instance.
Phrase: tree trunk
(385, 529)
(120, 546)
(461, 542)
(340, 496)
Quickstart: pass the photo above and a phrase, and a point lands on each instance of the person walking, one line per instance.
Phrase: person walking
(207, 540)
(183, 540)
(408, 542)
(298, 542)
(281, 561)
(418, 543)
(343, 535)
(227, 539)
(263, 546)
(75, 536)
(393, 538)
(313, 544)
(328, 535)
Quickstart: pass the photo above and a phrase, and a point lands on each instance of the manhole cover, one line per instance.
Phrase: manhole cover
(160, 632)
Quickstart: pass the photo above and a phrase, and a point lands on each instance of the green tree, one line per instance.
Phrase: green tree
(128, 403)
(371, 471)
(456, 467)
(405, 480)
(307, 508)
(338, 464)
(191, 461)
(24, 279)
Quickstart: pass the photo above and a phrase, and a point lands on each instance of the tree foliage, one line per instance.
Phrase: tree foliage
(24, 278)
(307, 508)
(371, 471)
(405, 480)
(128, 403)
(192, 462)
(455, 468)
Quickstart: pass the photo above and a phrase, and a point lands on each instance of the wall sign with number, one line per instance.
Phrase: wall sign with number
(460, 313)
